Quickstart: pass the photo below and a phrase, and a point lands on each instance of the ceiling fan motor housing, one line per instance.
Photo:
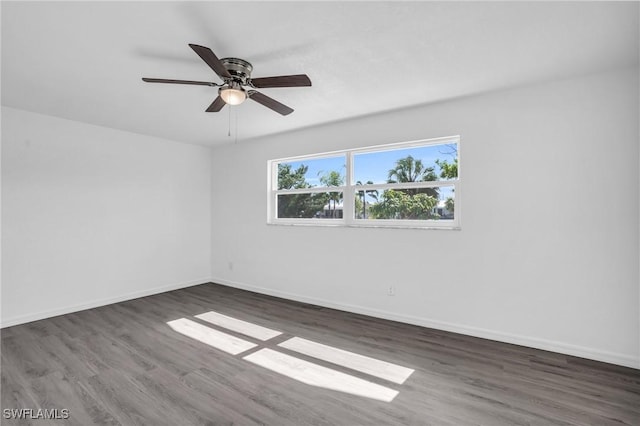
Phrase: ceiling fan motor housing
(239, 69)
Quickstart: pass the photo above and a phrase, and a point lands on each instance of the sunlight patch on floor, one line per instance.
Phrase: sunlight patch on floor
(247, 328)
(364, 364)
(211, 337)
(296, 368)
(316, 375)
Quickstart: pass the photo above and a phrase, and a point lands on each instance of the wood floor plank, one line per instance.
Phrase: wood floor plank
(59, 391)
(123, 364)
(15, 390)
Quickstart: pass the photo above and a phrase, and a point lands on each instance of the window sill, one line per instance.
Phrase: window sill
(368, 225)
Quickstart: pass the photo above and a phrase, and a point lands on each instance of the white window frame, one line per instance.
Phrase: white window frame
(349, 190)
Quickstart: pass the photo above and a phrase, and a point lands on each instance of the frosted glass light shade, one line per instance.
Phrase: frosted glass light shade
(233, 96)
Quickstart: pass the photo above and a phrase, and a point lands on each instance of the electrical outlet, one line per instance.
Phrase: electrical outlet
(391, 291)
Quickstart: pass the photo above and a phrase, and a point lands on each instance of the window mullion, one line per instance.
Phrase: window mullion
(408, 185)
(348, 202)
(314, 190)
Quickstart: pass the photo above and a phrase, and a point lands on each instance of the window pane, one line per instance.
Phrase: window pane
(427, 163)
(328, 171)
(406, 204)
(322, 205)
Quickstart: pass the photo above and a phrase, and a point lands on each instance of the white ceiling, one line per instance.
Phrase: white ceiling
(84, 60)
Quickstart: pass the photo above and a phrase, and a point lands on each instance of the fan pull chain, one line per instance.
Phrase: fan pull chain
(229, 133)
(236, 141)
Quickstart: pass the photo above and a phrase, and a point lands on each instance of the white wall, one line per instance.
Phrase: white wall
(92, 215)
(558, 271)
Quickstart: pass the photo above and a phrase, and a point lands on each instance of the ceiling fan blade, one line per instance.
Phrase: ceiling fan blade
(269, 102)
(216, 105)
(211, 59)
(164, 80)
(298, 80)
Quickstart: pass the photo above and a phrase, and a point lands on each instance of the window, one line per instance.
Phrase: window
(411, 184)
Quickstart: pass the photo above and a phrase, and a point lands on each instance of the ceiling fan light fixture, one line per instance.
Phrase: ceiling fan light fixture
(232, 95)
(236, 73)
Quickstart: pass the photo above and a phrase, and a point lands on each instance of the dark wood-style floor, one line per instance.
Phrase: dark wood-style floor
(122, 365)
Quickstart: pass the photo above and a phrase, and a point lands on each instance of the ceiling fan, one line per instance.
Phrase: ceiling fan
(236, 75)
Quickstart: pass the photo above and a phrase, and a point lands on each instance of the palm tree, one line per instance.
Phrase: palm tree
(332, 178)
(373, 193)
(408, 169)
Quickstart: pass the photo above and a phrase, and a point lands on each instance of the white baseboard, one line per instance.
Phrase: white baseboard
(533, 342)
(101, 302)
